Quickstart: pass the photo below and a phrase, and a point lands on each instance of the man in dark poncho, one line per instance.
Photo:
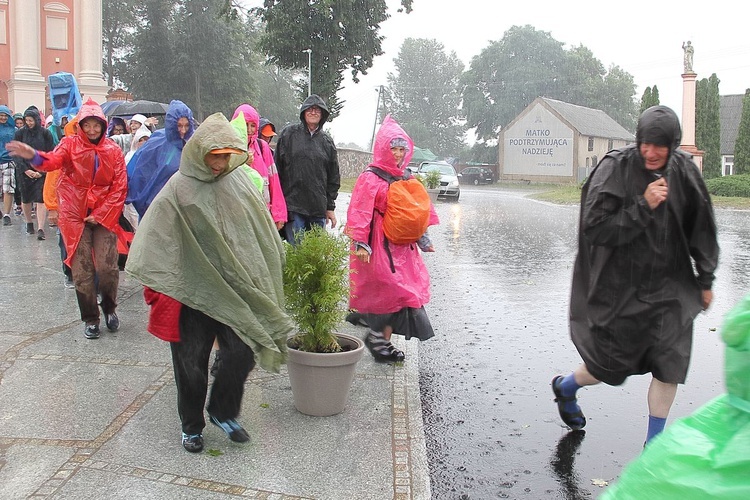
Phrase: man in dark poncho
(646, 218)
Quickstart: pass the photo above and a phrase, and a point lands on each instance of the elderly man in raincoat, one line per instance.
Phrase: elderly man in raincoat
(646, 222)
(211, 260)
(92, 191)
(389, 282)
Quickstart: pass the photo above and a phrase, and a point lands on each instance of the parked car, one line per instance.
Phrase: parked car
(448, 177)
(477, 175)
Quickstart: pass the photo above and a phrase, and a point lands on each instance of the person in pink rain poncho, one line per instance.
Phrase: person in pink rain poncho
(389, 283)
(264, 164)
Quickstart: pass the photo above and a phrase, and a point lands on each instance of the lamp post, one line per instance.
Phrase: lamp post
(309, 71)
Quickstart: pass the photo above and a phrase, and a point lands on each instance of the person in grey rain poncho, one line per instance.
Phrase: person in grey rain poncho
(209, 255)
(646, 219)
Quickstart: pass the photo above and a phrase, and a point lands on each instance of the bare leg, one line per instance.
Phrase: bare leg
(41, 215)
(8, 203)
(387, 331)
(583, 377)
(660, 398)
(27, 212)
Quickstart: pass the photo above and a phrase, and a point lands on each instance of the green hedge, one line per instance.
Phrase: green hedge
(730, 185)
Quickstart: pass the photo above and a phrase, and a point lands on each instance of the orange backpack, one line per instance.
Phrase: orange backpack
(407, 214)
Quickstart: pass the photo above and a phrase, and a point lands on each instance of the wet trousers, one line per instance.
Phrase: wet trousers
(190, 359)
(95, 257)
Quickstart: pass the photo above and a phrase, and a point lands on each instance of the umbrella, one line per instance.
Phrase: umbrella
(147, 108)
(107, 106)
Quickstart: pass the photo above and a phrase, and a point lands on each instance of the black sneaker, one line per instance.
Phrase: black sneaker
(192, 442)
(234, 430)
(112, 322)
(69, 282)
(91, 332)
(40, 235)
(6, 220)
(29, 228)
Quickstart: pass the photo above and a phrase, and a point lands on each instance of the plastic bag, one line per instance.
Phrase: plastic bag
(705, 455)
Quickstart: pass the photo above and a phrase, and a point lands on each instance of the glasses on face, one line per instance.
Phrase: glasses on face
(313, 111)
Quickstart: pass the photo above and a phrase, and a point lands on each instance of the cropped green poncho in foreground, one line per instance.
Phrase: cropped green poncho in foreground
(705, 455)
(209, 243)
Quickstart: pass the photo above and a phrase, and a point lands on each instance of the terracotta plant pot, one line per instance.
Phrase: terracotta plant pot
(321, 381)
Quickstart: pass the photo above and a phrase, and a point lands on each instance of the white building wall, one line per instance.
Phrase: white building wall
(538, 144)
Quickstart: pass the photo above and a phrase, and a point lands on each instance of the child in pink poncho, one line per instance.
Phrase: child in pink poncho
(389, 282)
(264, 164)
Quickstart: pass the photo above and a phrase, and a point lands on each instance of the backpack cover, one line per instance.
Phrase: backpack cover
(407, 213)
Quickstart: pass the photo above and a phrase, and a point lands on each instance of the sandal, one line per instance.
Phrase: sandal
(575, 420)
(381, 349)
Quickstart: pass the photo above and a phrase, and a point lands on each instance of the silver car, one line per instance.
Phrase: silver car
(448, 178)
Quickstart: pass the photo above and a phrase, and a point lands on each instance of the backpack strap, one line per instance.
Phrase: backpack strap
(390, 179)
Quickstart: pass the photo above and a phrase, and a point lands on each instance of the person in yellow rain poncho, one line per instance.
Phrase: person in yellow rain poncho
(705, 455)
(211, 260)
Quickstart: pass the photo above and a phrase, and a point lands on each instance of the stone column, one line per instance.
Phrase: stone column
(688, 118)
(26, 84)
(88, 35)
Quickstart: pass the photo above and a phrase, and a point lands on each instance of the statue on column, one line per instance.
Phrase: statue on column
(688, 57)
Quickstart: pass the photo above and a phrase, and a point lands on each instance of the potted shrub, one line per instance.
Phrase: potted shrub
(431, 181)
(321, 362)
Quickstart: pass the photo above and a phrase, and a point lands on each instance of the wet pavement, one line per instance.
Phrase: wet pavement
(98, 419)
(501, 279)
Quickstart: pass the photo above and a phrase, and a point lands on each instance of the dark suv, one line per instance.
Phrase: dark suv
(477, 175)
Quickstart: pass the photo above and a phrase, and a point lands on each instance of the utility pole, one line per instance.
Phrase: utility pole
(375, 125)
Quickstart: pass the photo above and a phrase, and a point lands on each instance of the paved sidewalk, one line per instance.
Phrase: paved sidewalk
(98, 418)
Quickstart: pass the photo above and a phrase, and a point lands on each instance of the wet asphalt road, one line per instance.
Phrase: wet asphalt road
(500, 284)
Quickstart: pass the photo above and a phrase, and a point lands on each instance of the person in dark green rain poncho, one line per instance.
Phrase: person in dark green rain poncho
(211, 260)
(705, 455)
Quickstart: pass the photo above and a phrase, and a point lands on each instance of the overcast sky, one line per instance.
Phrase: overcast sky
(644, 38)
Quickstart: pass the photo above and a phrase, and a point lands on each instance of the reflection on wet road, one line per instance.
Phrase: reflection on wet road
(501, 278)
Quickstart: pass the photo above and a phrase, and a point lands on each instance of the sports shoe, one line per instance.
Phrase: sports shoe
(234, 431)
(91, 332)
(18, 210)
(6, 220)
(29, 228)
(192, 442)
(69, 282)
(112, 321)
(40, 235)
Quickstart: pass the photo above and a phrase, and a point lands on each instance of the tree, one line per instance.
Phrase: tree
(742, 145)
(708, 125)
(118, 25)
(187, 50)
(341, 34)
(425, 95)
(525, 64)
(649, 98)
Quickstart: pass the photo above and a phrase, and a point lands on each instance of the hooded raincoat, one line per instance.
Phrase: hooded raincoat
(7, 131)
(209, 243)
(264, 164)
(376, 287)
(308, 165)
(157, 160)
(635, 294)
(40, 139)
(93, 181)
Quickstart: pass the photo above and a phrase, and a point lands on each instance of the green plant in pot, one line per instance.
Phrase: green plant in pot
(431, 179)
(321, 362)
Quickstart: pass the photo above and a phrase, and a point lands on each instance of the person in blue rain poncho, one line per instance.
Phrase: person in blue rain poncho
(154, 163)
